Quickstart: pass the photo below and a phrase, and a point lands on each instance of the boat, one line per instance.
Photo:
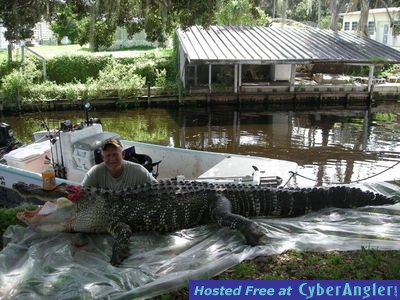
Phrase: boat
(74, 149)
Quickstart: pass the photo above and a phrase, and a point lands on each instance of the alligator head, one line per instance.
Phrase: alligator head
(68, 208)
(53, 216)
(76, 209)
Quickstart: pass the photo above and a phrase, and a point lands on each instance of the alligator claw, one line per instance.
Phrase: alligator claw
(119, 254)
(253, 234)
(264, 240)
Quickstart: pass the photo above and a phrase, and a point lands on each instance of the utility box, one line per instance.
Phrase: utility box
(83, 153)
(281, 72)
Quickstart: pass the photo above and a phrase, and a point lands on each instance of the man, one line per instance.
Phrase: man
(114, 172)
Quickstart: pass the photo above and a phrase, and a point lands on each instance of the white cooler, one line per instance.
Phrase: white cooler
(30, 157)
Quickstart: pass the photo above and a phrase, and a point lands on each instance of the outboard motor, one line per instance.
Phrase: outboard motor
(6, 134)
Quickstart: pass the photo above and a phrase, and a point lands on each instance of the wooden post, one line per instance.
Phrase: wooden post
(10, 47)
(292, 77)
(18, 100)
(370, 77)
(148, 94)
(44, 69)
(22, 53)
(209, 79)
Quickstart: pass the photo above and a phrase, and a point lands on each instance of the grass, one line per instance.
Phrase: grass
(364, 264)
(336, 265)
(49, 51)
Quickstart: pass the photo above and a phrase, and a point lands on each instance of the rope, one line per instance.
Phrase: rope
(355, 181)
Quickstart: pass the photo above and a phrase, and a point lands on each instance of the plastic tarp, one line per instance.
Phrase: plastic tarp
(76, 266)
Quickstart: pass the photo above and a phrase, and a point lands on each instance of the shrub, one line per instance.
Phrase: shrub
(116, 77)
(49, 90)
(16, 84)
(7, 67)
(147, 70)
(63, 69)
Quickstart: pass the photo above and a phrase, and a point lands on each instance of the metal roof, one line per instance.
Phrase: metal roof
(265, 45)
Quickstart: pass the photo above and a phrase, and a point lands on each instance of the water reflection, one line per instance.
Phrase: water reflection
(330, 146)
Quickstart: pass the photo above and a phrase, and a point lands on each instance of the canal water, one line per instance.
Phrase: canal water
(330, 146)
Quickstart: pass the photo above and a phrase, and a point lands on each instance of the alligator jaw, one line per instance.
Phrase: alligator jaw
(58, 216)
(34, 191)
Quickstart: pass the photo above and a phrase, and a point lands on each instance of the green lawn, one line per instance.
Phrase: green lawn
(49, 51)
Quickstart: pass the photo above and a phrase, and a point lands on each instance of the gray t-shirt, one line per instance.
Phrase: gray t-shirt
(133, 174)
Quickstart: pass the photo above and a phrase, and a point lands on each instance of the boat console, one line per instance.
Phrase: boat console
(73, 151)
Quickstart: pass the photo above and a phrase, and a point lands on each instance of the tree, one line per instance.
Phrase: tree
(66, 23)
(19, 17)
(158, 18)
(241, 12)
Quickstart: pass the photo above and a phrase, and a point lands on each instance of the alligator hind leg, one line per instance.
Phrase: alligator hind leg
(220, 210)
(121, 233)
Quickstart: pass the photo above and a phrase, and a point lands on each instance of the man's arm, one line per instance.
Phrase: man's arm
(91, 176)
(137, 174)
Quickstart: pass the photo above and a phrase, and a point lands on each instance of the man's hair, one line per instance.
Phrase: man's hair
(111, 143)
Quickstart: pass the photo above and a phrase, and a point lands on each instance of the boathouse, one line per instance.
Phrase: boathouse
(264, 62)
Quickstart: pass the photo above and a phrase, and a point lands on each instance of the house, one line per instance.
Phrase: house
(42, 34)
(3, 42)
(383, 24)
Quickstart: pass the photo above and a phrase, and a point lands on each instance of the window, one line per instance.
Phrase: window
(346, 26)
(354, 25)
(371, 28)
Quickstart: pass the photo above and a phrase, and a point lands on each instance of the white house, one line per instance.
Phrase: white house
(382, 27)
(42, 34)
(3, 42)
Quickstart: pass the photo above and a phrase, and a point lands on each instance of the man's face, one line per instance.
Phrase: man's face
(113, 157)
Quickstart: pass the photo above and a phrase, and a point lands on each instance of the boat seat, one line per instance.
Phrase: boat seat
(131, 155)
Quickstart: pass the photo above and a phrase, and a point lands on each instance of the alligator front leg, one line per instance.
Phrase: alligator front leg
(220, 210)
(121, 233)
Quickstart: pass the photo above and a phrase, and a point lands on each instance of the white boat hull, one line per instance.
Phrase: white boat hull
(74, 150)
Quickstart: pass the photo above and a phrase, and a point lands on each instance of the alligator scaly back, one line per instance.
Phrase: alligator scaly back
(170, 205)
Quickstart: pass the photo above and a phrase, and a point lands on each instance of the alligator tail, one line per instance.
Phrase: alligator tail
(296, 202)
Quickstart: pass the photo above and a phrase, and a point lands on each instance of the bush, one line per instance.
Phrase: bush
(83, 77)
(116, 78)
(7, 67)
(79, 68)
(148, 71)
(17, 83)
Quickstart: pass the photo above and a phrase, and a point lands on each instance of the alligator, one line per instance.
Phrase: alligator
(170, 206)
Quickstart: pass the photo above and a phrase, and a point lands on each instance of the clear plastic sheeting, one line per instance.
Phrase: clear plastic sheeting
(76, 266)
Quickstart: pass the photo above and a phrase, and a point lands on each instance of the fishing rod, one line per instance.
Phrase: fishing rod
(59, 169)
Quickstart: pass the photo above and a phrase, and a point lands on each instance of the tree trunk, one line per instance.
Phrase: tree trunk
(362, 29)
(335, 6)
(9, 47)
(319, 13)
(92, 26)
